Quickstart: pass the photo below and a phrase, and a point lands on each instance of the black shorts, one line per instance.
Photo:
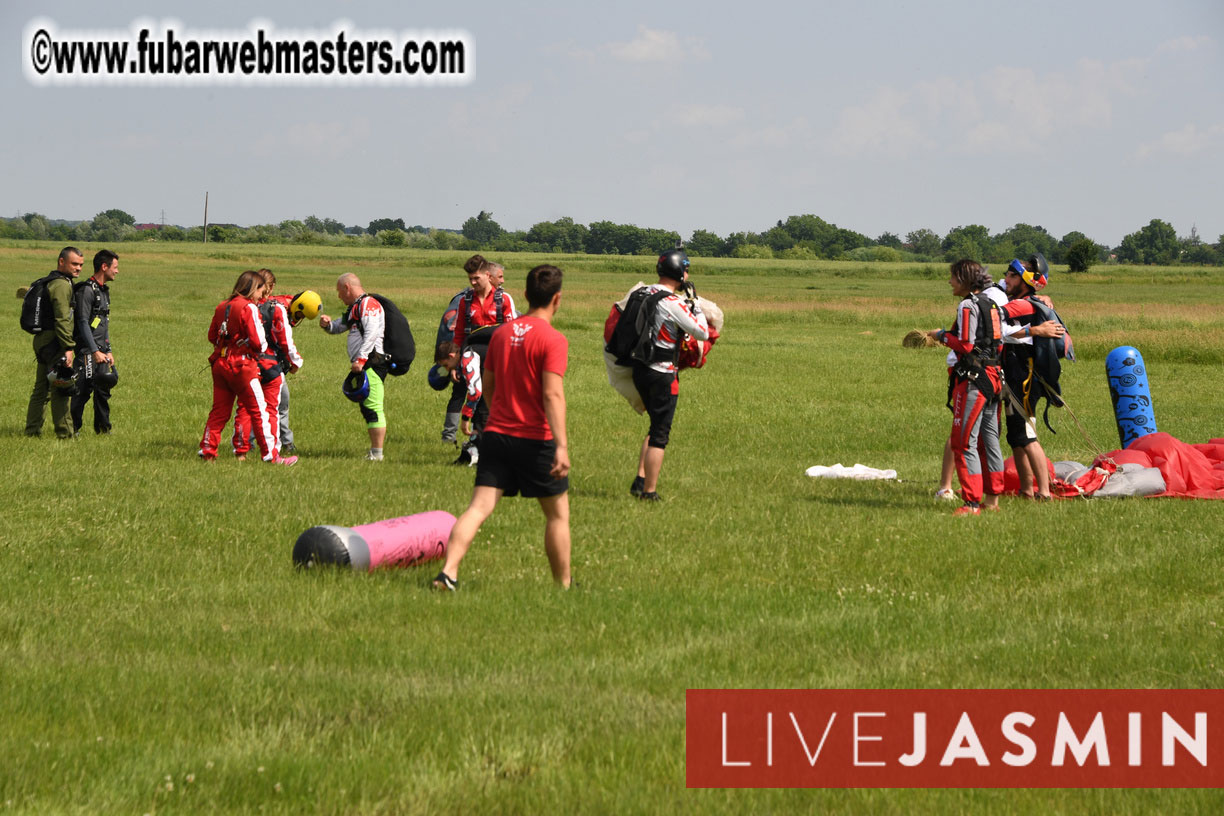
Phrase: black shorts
(518, 466)
(659, 393)
(1019, 432)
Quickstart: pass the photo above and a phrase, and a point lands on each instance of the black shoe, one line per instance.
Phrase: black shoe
(289, 449)
(638, 487)
(444, 581)
(652, 496)
(464, 458)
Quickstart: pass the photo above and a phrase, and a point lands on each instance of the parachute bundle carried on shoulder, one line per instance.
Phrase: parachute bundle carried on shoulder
(629, 339)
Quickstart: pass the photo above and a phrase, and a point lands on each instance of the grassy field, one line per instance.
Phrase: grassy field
(159, 654)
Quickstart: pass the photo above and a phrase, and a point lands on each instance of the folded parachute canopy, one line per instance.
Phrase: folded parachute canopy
(1189, 471)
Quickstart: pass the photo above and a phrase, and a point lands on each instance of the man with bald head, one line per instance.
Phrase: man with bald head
(53, 350)
(365, 320)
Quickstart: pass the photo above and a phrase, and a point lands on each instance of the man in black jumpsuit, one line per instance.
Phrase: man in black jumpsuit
(94, 362)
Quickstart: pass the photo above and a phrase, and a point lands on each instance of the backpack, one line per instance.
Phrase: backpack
(36, 316)
(398, 345)
(629, 340)
(1047, 352)
(985, 354)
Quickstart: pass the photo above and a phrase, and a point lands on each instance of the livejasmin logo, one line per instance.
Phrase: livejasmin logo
(955, 738)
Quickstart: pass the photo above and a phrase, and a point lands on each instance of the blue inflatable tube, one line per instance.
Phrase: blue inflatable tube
(1132, 399)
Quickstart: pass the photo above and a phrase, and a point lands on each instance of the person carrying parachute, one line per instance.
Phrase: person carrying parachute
(1031, 372)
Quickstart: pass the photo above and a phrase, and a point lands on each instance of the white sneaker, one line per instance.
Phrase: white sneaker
(475, 453)
(947, 494)
(374, 457)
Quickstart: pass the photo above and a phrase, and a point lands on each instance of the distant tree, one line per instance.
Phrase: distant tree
(291, 230)
(379, 224)
(332, 227)
(1025, 240)
(482, 229)
(706, 244)
(170, 233)
(391, 237)
(1082, 255)
(738, 239)
(1002, 251)
(38, 225)
(656, 241)
(1156, 243)
(828, 240)
(1130, 250)
(119, 216)
(313, 223)
(875, 254)
(799, 252)
(445, 239)
(608, 238)
(971, 242)
(778, 238)
(924, 242)
(888, 239)
(1202, 254)
(419, 240)
(562, 235)
(1059, 253)
(752, 251)
(218, 234)
(103, 228)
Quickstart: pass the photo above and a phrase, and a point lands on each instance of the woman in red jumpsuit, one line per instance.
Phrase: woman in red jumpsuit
(238, 339)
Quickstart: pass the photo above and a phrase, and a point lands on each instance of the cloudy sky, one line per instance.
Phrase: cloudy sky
(1094, 116)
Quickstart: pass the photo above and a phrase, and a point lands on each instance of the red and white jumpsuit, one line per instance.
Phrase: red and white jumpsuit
(238, 339)
(279, 336)
(975, 417)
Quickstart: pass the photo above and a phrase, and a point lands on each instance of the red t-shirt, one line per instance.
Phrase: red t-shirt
(519, 354)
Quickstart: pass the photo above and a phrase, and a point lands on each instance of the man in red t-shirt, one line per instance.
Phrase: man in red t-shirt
(524, 449)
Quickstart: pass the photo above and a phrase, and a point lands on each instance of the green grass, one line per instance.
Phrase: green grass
(158, 653)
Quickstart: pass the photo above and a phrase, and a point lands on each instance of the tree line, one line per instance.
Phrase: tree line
(799, 237)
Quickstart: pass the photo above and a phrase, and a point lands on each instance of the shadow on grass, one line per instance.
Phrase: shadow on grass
(858, 501)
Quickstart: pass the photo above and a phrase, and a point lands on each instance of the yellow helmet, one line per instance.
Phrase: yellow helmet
(305, 305)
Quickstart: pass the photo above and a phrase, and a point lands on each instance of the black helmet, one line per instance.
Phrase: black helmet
(62, 377)
(105, 375)
(1038, 262)
(672, 264)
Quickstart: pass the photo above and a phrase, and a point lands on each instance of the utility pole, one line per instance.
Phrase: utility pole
(206, 216)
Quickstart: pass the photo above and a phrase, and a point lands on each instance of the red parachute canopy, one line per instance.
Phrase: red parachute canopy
(1195, 471)
(1189, 471)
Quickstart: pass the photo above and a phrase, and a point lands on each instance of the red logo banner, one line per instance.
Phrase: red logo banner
(955, 738)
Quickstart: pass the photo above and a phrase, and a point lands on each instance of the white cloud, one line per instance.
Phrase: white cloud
(1188, 141)
(1183, 44)
(654, 45)
(1006, 109)
(881, 125)
(771, 137)
(710, 115)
